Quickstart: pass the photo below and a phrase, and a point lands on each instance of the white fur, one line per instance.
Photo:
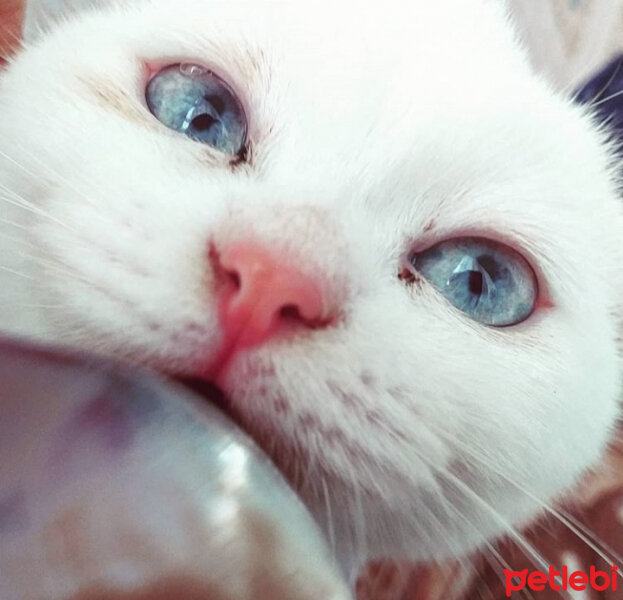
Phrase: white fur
(372, 133)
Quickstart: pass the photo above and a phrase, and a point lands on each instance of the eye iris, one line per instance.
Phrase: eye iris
(489, 282)
(197, 103)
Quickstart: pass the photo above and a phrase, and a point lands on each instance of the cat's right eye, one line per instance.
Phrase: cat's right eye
(490, 282)
(194, 101)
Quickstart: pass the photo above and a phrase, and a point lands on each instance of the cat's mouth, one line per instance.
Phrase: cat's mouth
(209, 391)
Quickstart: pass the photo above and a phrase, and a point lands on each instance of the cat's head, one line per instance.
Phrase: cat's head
(431, 353)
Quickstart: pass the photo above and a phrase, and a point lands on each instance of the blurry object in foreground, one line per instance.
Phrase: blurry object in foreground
(115, 486)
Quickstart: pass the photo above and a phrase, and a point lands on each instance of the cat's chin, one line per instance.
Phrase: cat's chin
(363, 523)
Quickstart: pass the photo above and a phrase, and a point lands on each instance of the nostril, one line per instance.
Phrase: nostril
(234, 278)
(291, 312)
(262, 294)
(227, 276)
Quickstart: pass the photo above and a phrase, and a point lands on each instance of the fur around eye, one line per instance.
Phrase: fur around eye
(194, 101)
(490, 282)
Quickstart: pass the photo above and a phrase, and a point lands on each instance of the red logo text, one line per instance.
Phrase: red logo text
(579, 581)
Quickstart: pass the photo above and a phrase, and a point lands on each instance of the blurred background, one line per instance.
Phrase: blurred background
(570, 39)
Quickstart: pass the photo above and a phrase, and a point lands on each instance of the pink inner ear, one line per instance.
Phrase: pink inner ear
(11, 19)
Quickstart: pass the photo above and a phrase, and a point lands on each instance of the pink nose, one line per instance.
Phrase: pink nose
(265, 295)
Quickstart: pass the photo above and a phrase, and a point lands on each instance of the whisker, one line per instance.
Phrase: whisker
(468, 492)
(604, 87)
(52, 172)
(50, 264)
(528, 548)
(331, 530)
(565, 520)
(17, 240)
(14, 194)
(19, 166)
(490, 548)
(607, 98)
(13, 224)
(572, 523)
(29, 207)
(519, 539)
(495, 560)
(17, 273)
(22, 305)
(359, 517)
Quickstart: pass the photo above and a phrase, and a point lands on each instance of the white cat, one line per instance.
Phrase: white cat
(394, 248)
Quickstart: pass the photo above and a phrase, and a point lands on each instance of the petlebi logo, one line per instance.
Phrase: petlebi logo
(537, 581)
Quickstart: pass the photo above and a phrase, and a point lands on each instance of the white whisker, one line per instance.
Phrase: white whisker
(19, 166)
(604, 87)
(53, 265)
(14, 272)
(13, 224)
(565, 520)
(17, 240)
(528, 548)
(586, 535)
(331, 529)
(24, 305)
(607, 98)
(52, 172)
(508, 527)
(29, 207)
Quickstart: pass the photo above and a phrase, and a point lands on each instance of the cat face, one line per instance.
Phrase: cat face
(410, 423)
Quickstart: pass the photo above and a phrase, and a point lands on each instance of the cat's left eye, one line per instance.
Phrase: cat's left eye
(488, 281)
(194, 101)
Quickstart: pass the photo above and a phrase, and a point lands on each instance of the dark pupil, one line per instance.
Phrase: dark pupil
(475, 283)
(490, 265)
(203, 122)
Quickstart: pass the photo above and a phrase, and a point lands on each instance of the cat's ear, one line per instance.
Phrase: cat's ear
(11, 19)
(603, 92)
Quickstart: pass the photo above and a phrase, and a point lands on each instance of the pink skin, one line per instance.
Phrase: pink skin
(261, 297)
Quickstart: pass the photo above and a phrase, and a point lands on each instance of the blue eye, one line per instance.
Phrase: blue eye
(489, 282)
(192, 100)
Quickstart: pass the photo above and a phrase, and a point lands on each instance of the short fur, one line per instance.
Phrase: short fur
(408, 429)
